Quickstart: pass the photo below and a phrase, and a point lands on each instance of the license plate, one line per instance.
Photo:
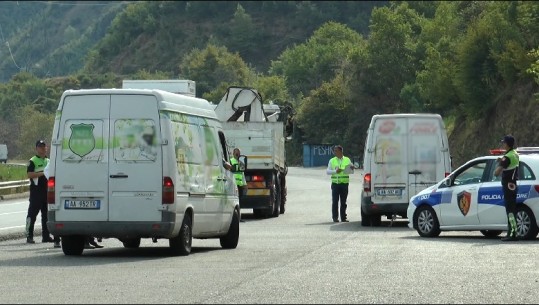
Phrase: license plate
(82, 204)
(389, 192)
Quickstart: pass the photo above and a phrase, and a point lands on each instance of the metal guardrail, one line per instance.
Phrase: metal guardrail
(14, 184)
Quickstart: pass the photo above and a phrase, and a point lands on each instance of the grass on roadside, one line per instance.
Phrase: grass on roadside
(11, 172)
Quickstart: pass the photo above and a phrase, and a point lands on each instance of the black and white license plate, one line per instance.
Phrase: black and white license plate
(389, 192)
(82, 204)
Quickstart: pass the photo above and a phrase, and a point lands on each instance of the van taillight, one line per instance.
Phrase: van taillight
(50, 190)
(536, 187)
(168, 190)
(367, 183)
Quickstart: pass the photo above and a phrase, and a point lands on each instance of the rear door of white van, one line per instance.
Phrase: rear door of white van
(110, 165)
(136, 163)
(389, 168)
(82, 159)
(428, 153)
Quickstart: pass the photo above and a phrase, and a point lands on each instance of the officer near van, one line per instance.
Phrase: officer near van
(508, 168)
(239, 176)
(339, 167)
(38, 195)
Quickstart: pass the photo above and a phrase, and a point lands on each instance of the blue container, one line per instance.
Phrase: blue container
(317, 154)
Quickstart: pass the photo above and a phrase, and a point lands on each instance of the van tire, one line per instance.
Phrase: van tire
(426, 222)
(182, 244)
(365, 219)
(230, 240)
(72, 245)
(131, 243)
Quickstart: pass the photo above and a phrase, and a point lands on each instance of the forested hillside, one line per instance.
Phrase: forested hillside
(337, 63)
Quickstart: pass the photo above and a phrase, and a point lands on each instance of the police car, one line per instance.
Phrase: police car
(471, 198)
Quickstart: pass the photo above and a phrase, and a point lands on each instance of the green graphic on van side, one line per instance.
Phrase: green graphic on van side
(82, 140)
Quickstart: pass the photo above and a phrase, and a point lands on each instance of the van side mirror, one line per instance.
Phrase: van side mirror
(242, 163)
(447, 182)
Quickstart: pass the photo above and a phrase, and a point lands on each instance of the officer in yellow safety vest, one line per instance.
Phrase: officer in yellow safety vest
(239, 177)
(339, 167)
(38, 195)
(508, 167)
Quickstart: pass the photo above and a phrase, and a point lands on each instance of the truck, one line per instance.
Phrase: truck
(259, 130)
(3, 153)
(178, 86)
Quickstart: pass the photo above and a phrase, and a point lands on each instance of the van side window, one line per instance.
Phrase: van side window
(83, 141)
(134, 140)
(211, 145)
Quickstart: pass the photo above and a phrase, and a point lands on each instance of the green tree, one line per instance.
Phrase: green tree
(306, 66)
(215, 68)
(33, 125)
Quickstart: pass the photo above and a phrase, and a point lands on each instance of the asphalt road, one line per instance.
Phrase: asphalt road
(299, 257)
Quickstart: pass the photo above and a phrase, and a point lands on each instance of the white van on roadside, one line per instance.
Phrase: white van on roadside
(404, 154)
(3, 153)
(135, 163)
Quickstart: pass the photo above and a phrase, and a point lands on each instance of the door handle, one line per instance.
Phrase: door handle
(221, 178)
(119, 176)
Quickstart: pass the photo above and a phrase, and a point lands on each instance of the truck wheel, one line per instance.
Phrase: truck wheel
(72, 245)
(230, 240)
(283, 194)
(131, 243)
(276, 197)
(181, 244)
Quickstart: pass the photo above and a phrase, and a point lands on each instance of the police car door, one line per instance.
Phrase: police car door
(462, 210)
(135, 170)
(491, 201)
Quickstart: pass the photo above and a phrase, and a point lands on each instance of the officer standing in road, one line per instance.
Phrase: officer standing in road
(508, 167)
(339, 167)
(239, 176)
(38, 195)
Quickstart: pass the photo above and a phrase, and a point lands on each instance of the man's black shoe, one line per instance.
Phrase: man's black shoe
(509, 238)
(47, 239)
(30, 240)
(335, 220)
(345, 220)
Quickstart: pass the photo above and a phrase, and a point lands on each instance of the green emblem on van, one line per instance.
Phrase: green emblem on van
(82, 141)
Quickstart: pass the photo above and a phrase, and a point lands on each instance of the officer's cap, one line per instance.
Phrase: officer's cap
(40, 143)
(509, 140)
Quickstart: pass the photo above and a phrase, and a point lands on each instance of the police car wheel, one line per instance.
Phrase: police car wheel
(491, 233)
(526, 223)
(426, 222)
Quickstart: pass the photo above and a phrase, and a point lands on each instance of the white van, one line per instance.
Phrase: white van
(3, 153)
(135, 163)
(404, 154)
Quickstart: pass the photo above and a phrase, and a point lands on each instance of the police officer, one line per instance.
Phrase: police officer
(339, 167)
(38, 194)
(239, 176)
(508, 167)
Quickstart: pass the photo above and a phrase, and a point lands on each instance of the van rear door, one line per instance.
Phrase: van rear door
(428, 151)
(136, 163)
(82, 163)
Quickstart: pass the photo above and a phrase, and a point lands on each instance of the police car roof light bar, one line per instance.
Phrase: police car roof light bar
(520, 150)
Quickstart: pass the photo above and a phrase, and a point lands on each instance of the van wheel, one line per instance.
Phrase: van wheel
(426, 222)
(376, 220)
(72, 245)
(131, 243)
(230, 240)
(365, 219)
(181, 244)
(526, 224)
(491, 233)
(276, 197)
